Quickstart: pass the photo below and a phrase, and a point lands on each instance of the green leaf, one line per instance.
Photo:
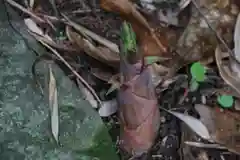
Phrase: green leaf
(193, 85)
(128, 38)
(226, 101)
(198, 72)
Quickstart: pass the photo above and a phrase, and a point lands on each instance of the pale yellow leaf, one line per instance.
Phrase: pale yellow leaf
(53, 104)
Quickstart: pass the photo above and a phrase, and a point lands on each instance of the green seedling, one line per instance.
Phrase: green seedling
(129, 45)
(128, 38)
(226, 101)
(198, 72)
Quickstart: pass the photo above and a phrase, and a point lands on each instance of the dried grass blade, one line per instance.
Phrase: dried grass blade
(53, 104)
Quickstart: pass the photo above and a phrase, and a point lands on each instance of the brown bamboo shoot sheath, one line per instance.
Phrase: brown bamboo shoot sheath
(139, 113)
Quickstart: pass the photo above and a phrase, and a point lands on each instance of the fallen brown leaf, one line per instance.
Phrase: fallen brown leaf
(223, 125)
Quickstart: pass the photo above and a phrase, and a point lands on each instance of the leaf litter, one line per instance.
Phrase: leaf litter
(198, 35)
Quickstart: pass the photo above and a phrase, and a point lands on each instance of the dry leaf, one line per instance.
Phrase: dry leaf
(32, 26)
(194, 124)
(53, 104)
(224, 128)
(235, 66)
(227, 75)
(108, 108)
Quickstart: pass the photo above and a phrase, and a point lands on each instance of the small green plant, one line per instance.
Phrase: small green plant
(128, 38)
(226, 101)
(198, 72)
(129, 42)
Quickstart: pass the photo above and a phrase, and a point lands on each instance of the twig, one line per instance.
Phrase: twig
(74, 72)
(52, 43)
(99, 39)
(53, 18)
(13, 3)
(84, 11)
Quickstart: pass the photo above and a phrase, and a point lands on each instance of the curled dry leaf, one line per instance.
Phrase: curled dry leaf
(198, 40)
(53, 104)
(149, 43)
(227, 75)
(223, 126)
(235, 66)
(102, 54)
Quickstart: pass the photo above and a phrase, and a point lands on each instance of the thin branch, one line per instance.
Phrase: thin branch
(80, 11)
